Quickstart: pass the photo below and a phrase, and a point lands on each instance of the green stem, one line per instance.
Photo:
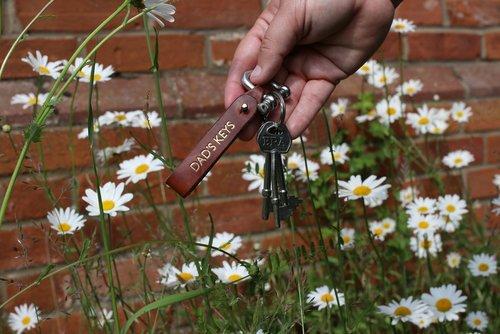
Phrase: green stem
(372, 242)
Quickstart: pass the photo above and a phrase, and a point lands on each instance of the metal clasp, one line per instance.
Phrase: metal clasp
(269, 100)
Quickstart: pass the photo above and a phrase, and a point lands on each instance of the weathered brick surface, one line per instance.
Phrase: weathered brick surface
(456, 55)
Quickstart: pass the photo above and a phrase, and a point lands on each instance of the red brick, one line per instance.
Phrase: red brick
(22, 247)
(438, 80)
(421, 12)
(238, 216)
(348, 88)
(65, 324)
(29, 201)
(226, 179)
(444, 46)
(42, 295)
(390, 49)
(129, 53)
(203, 14)
(485, 115)
(473, 12)
(481, 79)
(223, 50)
(56, 48)
(200, 94)
(493, 148)
(480, 182)
(492, 44)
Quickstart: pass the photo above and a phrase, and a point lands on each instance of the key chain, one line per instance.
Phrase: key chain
(273, 138)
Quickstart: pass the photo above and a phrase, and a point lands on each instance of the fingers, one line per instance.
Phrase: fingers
(313, 97)
(279, 40)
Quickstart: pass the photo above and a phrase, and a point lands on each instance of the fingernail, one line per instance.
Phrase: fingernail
(256, 72)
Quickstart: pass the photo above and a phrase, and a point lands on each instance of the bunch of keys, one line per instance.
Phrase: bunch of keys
(274, 141)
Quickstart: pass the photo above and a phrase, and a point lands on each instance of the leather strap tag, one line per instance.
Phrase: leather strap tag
(214, 143)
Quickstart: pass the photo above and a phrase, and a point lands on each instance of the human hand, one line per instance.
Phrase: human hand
(310, 46)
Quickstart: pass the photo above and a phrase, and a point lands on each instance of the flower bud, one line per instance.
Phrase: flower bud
(6, 128)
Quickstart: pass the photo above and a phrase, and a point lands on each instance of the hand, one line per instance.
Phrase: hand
(310, 46)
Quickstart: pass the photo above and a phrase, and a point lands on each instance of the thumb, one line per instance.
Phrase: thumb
(279, 40)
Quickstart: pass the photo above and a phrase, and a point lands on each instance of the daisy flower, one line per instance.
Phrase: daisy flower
(431, 244)
(113, 199)
(24, 318)
(324, 297)
(453, 260)
(347, 235)
(148, 121)
(311, 172)
(446, 302)
(458, 159)
(294, 162)
(425, 319)
(85, 131)
(254, 172)
(410, 88)
(73, 67)
(422, 206)
(389, 110)
(369, 68)
(107, 152)
(138, 168)
(379, 199)
(101, 74)
(483, 265)
(460, 112)
(422, 121)
(339, 108)
(403, 26)
(105, 317)
(496, 180)
(231, 273)
(228, 242)
(389, 225)
(42, 66)
(425, 225)
(65, 221)
(477, 320)
(452, 206)
(29, 100)
(171, 276)
(339, 154)
(369, 189)
(369, 116)
(383, 77)
(440, 123)
(408, 195)
(407, 309)
(118, 117)
(378, 231)
(160, 11)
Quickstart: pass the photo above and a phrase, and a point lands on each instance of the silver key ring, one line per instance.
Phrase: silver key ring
(282, 105)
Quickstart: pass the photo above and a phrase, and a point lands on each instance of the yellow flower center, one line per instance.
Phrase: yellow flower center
(141, 169)
(423, 121)
(458, 161)
(32, 101)
(261, 172)
(81, 74)
(120, 117)
(365, 68)
(410, 90)
(362, 191)
(97, 77)
(43, 70)
(386, 225)
(483, 267)
(450, 208)
(378, 231)
(64, 227)
(346, 239)
(337, 155)
(402, 311)
(382, 79)
(293, 165)
(476, 322)
(391, 111)
(399, 26)
(108, 205)
(425, 244)
(234, 277)
(327, 298)
(423, 209)
(423, 224)
(226, 246)
(459, 114)
(26, 320)
(443, 305)
(185, 277)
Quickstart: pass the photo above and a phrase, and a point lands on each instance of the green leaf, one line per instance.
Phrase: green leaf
(44, 273)
(33, 132)
(161, 303)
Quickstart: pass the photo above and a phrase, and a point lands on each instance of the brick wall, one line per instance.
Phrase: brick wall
(455, 52)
